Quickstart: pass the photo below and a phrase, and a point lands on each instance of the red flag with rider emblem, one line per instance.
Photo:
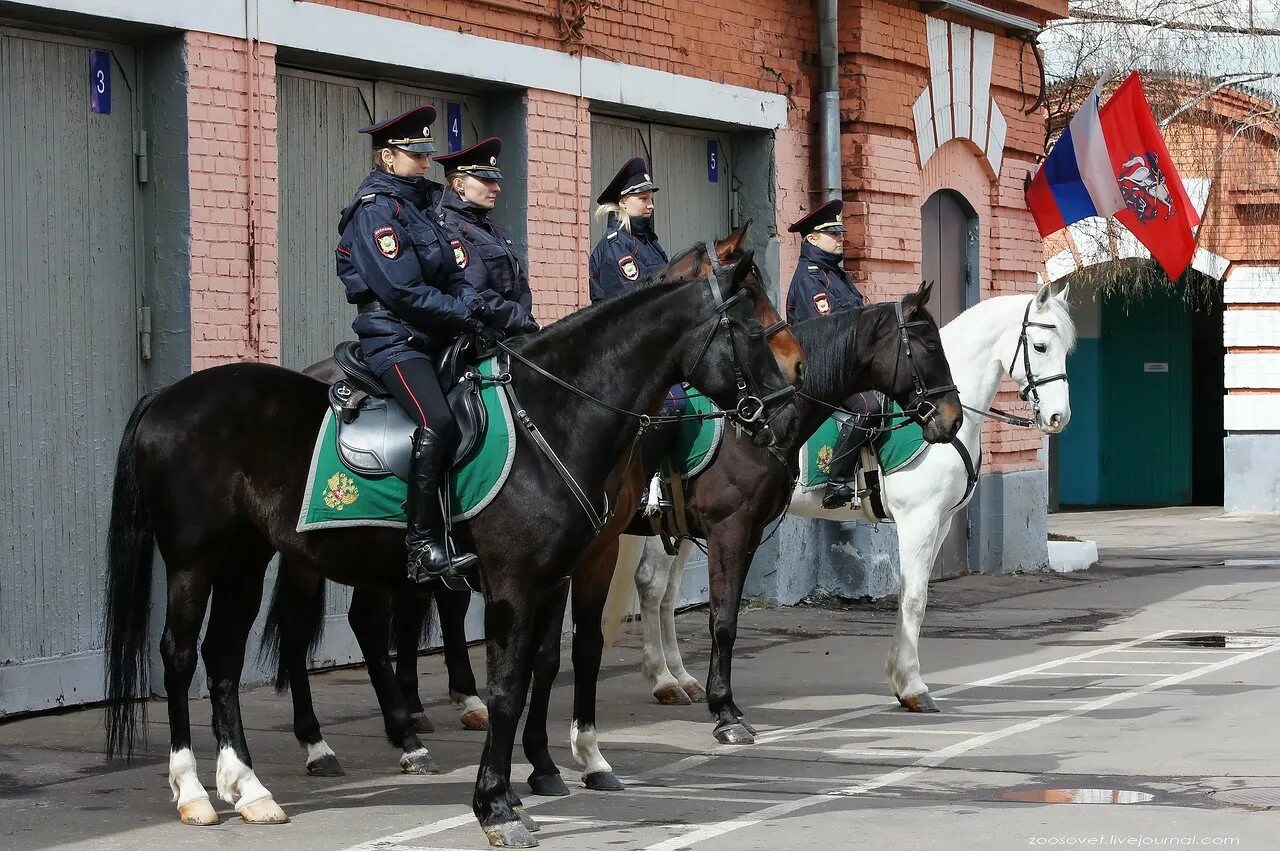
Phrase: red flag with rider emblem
(1157, 210)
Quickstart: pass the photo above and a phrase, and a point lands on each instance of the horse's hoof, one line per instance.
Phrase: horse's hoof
(418, 762)
(922, 702)
(747, 724)
(602, 781)
(512, 834)
(262, 811)
(325, 766)
(420, 723)
(527, 820)
(476, 719)
(735, 733)
(198, 812)
(671, 695)
(548, 785)
(695, 691)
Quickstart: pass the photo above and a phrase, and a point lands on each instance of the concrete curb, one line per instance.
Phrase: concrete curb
(1070, 556)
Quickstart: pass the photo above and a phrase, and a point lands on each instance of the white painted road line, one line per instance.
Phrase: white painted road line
(694, 760)
(713, 831)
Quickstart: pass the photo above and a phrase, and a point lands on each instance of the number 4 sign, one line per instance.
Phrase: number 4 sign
(100, 81)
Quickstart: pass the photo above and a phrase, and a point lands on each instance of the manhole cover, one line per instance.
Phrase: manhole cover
(1076, 796)
(1261, 796)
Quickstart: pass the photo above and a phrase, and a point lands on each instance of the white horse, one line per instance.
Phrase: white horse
(1026, 337)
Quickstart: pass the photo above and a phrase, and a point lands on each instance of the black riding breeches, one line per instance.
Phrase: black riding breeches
(416, 388)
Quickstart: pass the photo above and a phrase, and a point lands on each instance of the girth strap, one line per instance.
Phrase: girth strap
(970, 469)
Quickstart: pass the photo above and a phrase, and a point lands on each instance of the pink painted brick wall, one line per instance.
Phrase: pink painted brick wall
(230, 318)
(559, 132)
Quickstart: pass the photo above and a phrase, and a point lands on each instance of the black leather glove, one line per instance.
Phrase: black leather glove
(490, 337)
(530, 326)
(480, 309)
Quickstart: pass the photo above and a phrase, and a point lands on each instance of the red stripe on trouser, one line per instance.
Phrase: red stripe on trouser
(422, 416)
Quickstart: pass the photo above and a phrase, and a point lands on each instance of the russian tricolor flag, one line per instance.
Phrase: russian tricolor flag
(1076, 180)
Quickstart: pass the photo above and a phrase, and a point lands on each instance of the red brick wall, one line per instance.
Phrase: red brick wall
(559, 131)
(232, 319)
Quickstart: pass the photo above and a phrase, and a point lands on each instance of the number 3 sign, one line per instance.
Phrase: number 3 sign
(100, 81)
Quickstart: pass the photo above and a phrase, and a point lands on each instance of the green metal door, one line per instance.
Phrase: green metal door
(1146, 406)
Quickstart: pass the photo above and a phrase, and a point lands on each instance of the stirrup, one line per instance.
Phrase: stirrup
(846, 494)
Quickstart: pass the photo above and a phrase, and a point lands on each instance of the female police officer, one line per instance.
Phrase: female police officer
(482, 249)
(821, 286)
(398, 267)
(629, 249)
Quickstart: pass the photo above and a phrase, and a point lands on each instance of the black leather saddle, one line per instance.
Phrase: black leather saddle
(375, 435)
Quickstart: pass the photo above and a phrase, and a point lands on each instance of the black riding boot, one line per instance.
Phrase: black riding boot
(428, 544)
(846, 458)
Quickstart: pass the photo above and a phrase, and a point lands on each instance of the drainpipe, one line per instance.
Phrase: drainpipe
(829, 98)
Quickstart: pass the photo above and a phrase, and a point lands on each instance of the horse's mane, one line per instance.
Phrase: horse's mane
(828, 346)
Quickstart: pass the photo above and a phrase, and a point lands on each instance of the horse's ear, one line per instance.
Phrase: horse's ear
(731, 244)
(1043, 296)
(1062, 293)
(918, 299)
(741, 269)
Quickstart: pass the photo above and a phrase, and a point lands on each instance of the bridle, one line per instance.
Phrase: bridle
(1029, 392)
(753, 402)
(921, 408)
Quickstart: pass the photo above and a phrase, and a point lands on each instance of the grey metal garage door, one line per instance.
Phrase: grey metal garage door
(690, 206)
(69, 284)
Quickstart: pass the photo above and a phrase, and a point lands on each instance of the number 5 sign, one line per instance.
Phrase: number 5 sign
(100, 81)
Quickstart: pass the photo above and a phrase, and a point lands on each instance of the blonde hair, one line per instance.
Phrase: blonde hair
(605, 210)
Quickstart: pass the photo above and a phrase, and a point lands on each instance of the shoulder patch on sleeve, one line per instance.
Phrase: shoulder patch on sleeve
(630, 271)
(385, 238)
(822, 303)
(460, 253)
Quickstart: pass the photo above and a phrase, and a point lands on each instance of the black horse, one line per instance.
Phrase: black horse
(294, 618)
(212, 471)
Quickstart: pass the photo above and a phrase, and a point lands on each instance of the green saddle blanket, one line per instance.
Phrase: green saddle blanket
(338, 496)
(699, 438)
(895, 449)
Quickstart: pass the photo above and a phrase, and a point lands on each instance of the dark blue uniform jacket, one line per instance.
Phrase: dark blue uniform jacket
(489, 263)
(820, 286)
(392, 248)
(622, 257)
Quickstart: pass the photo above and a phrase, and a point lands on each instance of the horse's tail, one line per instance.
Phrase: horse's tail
(130, 545)
(285, 606)
(622, 588)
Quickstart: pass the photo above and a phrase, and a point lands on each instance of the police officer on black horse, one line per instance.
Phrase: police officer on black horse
(398, 267)
(482, 249)
(819, 287)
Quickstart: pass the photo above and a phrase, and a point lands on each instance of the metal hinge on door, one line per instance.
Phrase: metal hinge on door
(144, 333)
(140, 158)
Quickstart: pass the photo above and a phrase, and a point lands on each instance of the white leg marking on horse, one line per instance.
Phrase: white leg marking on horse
(465, 703)
(652, 577)
(917, 550)
(183, 779)
(237, 784)
(586, 750)
(319, 751)
(670, 641)
(417, 752)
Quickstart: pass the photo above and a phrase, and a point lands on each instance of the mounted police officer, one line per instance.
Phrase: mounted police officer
(482, 249)
(819, 287)
(398, 267)
(629, 249)
(627, 252)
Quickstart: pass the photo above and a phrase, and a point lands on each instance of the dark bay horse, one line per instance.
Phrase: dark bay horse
(212, 471)
(893, 347)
